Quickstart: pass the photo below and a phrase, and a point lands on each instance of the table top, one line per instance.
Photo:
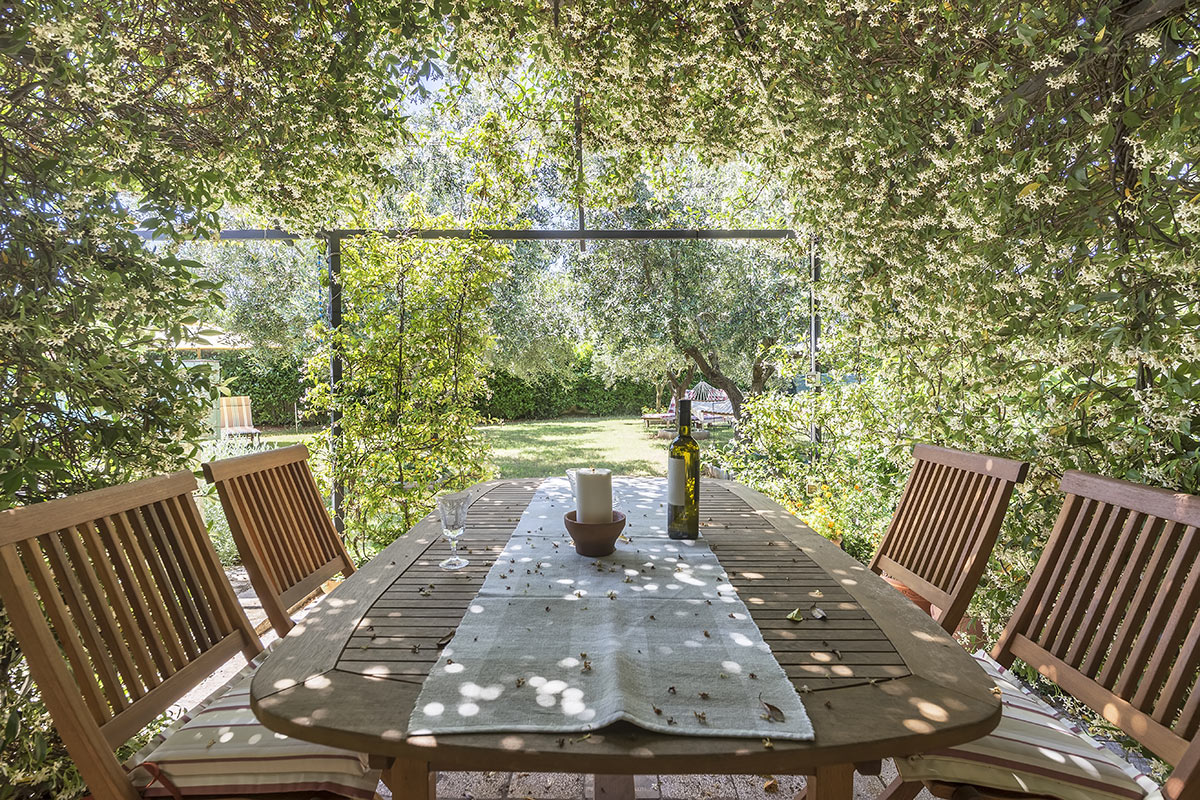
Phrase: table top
(879, 678)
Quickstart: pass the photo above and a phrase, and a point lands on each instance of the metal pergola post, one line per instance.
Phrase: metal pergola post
(335, 379)
(814, 337)
(579, 168)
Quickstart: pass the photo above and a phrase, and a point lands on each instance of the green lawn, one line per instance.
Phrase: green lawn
(538, 448)
(289, 436)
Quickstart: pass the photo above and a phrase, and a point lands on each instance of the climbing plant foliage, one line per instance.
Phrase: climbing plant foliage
(414, 342)
(1007, 209)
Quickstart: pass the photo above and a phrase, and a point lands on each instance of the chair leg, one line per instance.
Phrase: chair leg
(411, 780)
(613, 787)
(900, 789)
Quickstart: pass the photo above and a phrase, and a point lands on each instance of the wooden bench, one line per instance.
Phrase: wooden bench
(1110, 616)
(281, 528)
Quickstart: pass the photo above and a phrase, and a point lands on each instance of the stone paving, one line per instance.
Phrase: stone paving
(563, 786)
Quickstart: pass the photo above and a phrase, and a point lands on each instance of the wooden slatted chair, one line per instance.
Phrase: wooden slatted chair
(121, 607)
(946, 525)
(280, 526)
(235, 417)
(1111, 617)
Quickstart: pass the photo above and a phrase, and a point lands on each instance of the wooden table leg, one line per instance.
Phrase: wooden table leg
(862, 768)
(613, 787)
(411, 780)
(835, 782)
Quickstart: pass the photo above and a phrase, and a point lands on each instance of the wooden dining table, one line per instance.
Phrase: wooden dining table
(878, 677)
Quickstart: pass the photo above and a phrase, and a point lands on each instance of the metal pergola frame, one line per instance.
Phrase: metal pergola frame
(333, 240)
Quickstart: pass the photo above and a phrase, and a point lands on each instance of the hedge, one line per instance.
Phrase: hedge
(548, 397)
(274, 386)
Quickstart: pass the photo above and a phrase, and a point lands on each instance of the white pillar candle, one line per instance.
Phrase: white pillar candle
(593, 495)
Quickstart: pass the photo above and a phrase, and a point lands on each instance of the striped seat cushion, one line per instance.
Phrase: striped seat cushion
(219, 748)
(1035, 750)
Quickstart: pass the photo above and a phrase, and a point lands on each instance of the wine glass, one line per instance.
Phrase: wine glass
(453, 510)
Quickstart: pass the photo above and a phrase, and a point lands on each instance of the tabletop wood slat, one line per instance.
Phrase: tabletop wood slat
(769, 591)
(372, 642)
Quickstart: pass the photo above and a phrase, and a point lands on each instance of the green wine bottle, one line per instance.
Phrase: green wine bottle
(683, 479)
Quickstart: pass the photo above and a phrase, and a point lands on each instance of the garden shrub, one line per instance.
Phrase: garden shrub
(33, 761)
(550, 396)
(275, 385)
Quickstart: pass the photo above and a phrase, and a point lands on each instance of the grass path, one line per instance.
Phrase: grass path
(538, 448)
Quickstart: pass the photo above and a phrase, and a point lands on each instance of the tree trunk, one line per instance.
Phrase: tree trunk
(761, 372)
(709, 369)
(680, 381)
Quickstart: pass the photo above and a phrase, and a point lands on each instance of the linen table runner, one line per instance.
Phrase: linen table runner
(653, 634)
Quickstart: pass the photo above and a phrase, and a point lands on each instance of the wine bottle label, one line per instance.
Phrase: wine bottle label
(676, 481)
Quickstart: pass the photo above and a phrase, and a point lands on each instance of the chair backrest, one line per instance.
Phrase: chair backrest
(235, 413)
(1110, 614)
(120, 607)
(946, 525)
(279, 523)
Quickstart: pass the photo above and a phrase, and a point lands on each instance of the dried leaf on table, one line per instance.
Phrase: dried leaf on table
(774, 713)
(796, 616)
(771, 786)
(818, 613)
(445, 640)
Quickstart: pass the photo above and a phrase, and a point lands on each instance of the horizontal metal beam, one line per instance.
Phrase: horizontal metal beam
(597, 234)
(249, 235)
(507, 235)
